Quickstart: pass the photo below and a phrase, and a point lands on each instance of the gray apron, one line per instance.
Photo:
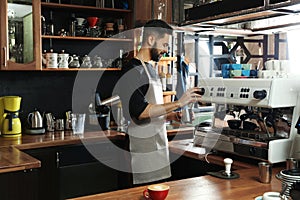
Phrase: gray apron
(149, 142)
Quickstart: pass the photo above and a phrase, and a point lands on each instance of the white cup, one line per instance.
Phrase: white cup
(271, 196)
(284, 65)
(78, 121)
(276, 65)
(269, 65)
(267, 74)
(51, 60)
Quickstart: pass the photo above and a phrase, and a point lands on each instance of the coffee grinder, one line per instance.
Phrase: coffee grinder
(9, 119)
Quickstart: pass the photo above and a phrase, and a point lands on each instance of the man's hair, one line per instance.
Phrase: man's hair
(156, 27)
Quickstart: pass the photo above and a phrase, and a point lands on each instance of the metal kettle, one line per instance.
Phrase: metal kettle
(35, 119)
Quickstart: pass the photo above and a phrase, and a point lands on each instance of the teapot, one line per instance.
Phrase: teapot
(35, 119)
(75, 62)
(97, 62)
(86, 62)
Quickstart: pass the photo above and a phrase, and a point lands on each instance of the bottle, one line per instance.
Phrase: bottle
(44, 58)
(119, 61)
(73, 23)
(169, 79)
(162, 76)
(43, 24)
(50, 25)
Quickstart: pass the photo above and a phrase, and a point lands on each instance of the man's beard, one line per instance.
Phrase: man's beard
(155, 55)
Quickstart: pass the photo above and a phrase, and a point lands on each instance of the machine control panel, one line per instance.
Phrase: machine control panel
(250, 92)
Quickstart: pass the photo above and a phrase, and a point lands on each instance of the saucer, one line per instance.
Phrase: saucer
(258, 198)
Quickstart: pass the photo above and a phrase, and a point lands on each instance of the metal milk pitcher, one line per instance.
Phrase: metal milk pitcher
(50, 123)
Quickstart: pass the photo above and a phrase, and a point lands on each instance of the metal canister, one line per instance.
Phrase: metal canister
(291, 163)
(68, 124)
(59, 125)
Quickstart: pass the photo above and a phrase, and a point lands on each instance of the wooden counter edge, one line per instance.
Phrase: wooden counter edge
(177, 148)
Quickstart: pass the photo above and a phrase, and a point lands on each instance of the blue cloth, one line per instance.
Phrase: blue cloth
(182, 74)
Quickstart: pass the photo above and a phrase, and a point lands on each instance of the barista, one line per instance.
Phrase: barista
(142, 99)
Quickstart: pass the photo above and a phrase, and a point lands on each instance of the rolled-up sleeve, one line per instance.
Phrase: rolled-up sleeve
(133, 88)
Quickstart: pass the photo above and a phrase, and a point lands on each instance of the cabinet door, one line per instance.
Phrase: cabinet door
(152, 9)
(20, 35)
(19, 185)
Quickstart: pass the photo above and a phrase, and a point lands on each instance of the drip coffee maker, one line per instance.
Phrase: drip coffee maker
(10, 121)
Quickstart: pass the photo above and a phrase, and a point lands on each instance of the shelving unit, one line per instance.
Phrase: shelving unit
(81, 7)
(82, 69)
(85, 45)
(85, 38)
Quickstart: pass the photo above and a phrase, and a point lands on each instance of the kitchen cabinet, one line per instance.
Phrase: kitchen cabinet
(149, 9)
(19, 33)
(19, 185)
(72, 170)
(87, 40)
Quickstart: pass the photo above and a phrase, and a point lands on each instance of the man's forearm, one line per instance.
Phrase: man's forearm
(159, 109)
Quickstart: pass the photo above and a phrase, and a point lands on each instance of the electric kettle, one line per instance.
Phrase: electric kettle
(35, 120)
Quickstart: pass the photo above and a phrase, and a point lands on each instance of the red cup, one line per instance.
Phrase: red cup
(156, 192)
(92, 21)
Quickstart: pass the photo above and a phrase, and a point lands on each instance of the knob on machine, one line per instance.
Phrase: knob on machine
(260, 94)
(201, 92)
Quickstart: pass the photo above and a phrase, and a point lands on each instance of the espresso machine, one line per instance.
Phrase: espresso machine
(253, 118)
(9, 116)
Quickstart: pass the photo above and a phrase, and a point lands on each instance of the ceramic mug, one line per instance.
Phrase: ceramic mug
(271, 196)
(64, 60)
(51, 60)
(156, 192)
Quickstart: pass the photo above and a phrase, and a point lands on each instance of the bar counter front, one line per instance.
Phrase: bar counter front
(246, 187)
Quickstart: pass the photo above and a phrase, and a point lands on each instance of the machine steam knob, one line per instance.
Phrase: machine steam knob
(228, 162)
(260, 94)
(201, 92)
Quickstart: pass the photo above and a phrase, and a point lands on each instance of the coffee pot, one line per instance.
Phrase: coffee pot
(35, 120)
(75, 62)
(10, 121)
(64, 59)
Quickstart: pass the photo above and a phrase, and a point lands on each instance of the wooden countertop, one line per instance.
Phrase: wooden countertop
(13, 159)
(204, 187)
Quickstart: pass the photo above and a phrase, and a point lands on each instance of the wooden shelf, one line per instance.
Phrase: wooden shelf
(168, 59)
(85, 38)
(80, 7)
(166, 93)
(164, 61)
(81, 69)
